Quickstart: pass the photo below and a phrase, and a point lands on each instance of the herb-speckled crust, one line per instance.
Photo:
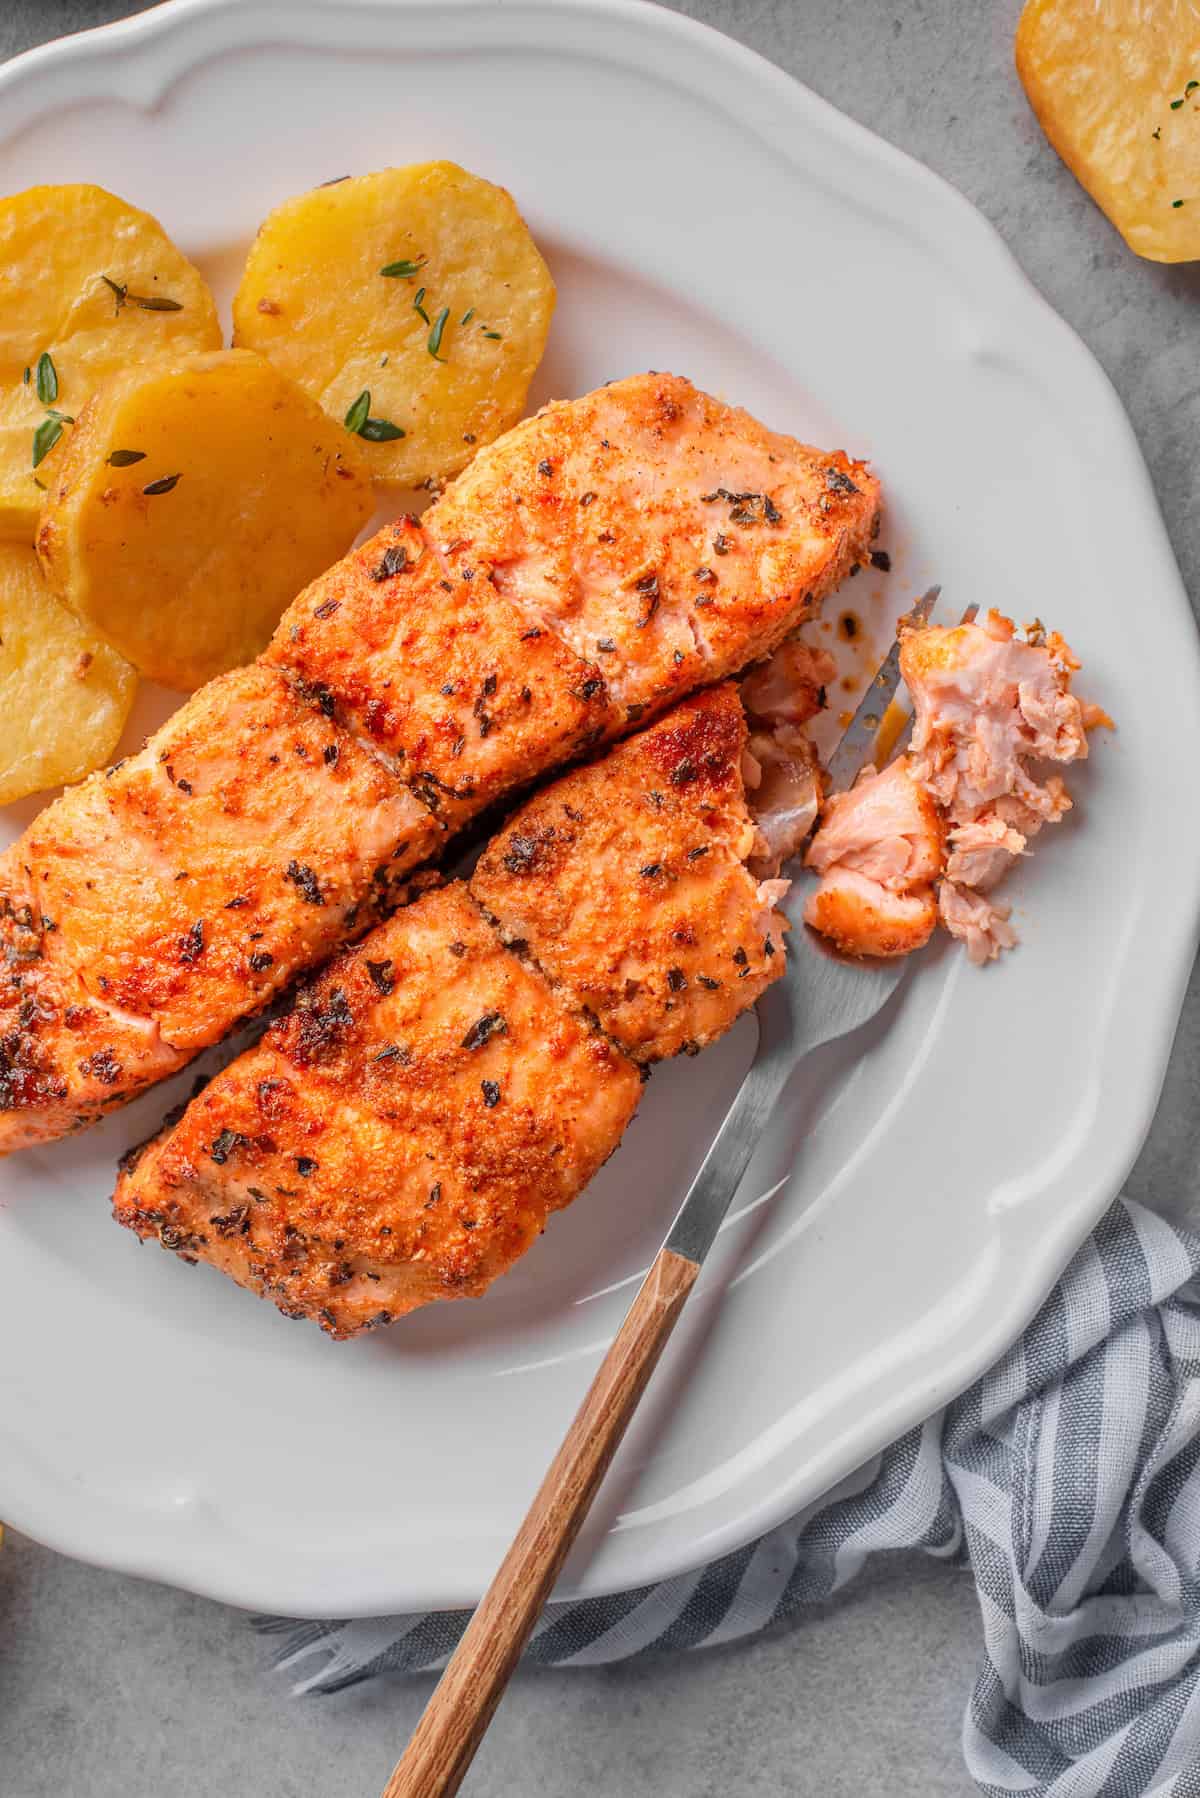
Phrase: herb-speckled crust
(626, 883)
(419, 654)
(401, 1136)
(670, 537)
(148, 909)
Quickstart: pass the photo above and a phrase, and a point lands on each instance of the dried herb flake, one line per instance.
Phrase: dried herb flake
(381, 976)
(491, 1024)
(302, 876)
(395, 561)
(223, 1145)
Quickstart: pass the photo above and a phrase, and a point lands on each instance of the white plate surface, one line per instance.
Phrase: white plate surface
(922, 1185)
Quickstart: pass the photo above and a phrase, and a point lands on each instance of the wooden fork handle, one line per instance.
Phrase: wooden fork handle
(457, 1715)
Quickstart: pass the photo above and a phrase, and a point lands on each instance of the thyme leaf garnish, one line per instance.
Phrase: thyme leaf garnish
(359, 422)
(435, 336)
(357, 415)
(47, 379)
(467, 316)
(45, 438)
(494, 335)
(161, 486)
(380, 430)
(405, 269)
(25, 376)
(418, 308)
(145, 302)
(125, 458)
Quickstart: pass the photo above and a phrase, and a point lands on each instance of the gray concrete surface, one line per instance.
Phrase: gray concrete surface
(110, 1688)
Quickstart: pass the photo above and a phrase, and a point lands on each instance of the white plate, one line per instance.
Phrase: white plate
(923, 1184)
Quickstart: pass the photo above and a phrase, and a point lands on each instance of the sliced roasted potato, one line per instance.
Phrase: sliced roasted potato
(88, 284)
(64, 693)
(194, 500)
(1116, 89)
(419, 288)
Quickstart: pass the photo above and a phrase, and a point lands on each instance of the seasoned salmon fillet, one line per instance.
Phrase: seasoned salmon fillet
(418, 653)
(608, 557)
(149, 908)
(401, 1136)
(668, 536)
(626, 882)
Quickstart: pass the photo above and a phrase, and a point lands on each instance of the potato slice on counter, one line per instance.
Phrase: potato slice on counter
(64, 694)
(88, 284)
(412, 303)
(194, 500)
(1116, 89)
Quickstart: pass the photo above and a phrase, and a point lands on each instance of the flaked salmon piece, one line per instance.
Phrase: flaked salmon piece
(879, 849)
(788, 689)
(982, 852)
(422, 657)
(782, 775)
(862, 916)
(401, 1136)
(985, 704)
(886, 827)
(666, 535)
(782, 769)
(988, 706)
(977, 922)
(148, 909)
(626, 881)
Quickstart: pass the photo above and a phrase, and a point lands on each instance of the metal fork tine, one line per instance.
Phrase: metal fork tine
(904, 735)
(856, 746)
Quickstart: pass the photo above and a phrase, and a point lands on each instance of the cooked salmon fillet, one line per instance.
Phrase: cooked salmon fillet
(401, 1136)
(668, 536)
(418, 653)
(626, 882)
(611, 555)
(148, 908)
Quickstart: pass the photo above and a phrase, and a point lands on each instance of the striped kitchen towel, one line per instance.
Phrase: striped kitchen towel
(1068, 1478)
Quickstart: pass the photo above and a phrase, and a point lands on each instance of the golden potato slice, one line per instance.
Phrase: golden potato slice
(64, 694)
(443, 346)
(194, 500)
(90, 284)
(1116, 88)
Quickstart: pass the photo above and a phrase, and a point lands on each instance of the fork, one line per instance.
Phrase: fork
(820, 997)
